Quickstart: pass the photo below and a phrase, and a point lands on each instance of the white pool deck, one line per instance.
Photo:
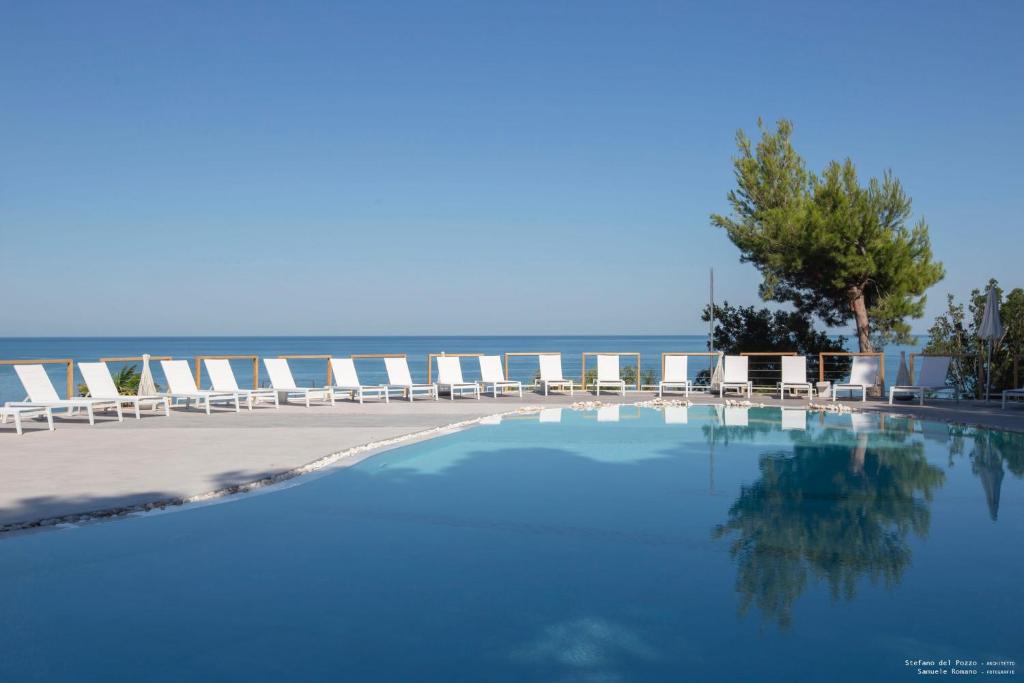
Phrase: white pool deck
(78, 469)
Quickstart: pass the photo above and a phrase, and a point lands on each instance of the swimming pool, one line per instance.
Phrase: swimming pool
(625, 544)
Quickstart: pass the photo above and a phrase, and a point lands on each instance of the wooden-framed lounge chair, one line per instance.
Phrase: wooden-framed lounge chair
(493, 377)
(608, 374)
(17, 412)
(346, 381)
(794, 376)
(551, 373)
(449, 376)
(101, 385)
(399, 378)
(676, 376)
(734, 376)
(933, 378)
(1012, 393)
(282, 381)
(41, 394)
(222, 378)
(181, 385)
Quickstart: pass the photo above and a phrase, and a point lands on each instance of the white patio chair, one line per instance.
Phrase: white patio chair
(282, 381)
(794, 376)
(101, 385)
(863, 375)
(449, 376)
(551, 373)
(493, 376)
(399, 378)
(222, 378)
(41, 394)
(181, 385)
(17, 412)
(794, 418)
(734, 376)
(677, 415)
(1012, 393)
(933, 376)
(608, 374)
(346, 381)
(676, 376)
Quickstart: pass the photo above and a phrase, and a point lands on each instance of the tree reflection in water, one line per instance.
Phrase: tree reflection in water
(831, 510)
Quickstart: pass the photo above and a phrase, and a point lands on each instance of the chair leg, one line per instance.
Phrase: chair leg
(17, 422)
(120, 415)
(207, 405)
(92, 415)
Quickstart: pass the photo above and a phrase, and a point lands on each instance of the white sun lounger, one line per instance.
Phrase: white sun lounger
(101, 385)
(863, 376)
(734, 376)
(934, 373)
(608, 374)
(282, 381)
(449, 376)
(222, 378)
(399, 378)
(551, 373)
(677, 415)
(794, 376)
(41, 394)
(794, 418)
(493, 377)
(181, 385)
(1012, 393)
(17, 412)
(346, 381)
(676, 376)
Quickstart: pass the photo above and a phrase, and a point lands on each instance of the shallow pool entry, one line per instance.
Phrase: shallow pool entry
(620, 544)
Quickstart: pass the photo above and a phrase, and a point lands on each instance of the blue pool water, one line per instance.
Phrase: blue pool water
(628, 545)
(313, 372)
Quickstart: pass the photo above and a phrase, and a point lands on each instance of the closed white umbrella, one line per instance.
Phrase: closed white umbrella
(903, 373)
(147, 387)
(991, 329)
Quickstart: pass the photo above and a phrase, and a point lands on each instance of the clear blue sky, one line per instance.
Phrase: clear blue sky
(466, 167)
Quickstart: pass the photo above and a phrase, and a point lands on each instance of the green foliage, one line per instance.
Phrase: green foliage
(955, 333)
(828, 245)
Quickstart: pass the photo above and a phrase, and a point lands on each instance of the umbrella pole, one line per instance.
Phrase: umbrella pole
(988, 378)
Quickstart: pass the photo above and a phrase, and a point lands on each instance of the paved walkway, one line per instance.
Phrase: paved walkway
(80, 469)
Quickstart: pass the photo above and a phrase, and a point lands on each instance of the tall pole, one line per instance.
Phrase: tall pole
(711, 325)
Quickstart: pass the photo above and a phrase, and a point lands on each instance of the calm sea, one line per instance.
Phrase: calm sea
(313, 372)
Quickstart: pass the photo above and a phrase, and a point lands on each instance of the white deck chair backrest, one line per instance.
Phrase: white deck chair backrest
(449, 370)
(608, 414)
(735, 370)
(344, 370)
(607, 368)
(97, 378)
(677, 415)
(934, 371)
(280, 373)
(179, 377)
(794, 419)
(398, 372)
(551, 367)
(37, 383)
(675, 369)
(222, 378)
(794, 369)
(490, 369)
(736, 416)
(864, 371)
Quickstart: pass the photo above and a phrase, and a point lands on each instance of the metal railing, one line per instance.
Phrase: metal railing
(68, 364)
(326, 357)
(764, 368)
